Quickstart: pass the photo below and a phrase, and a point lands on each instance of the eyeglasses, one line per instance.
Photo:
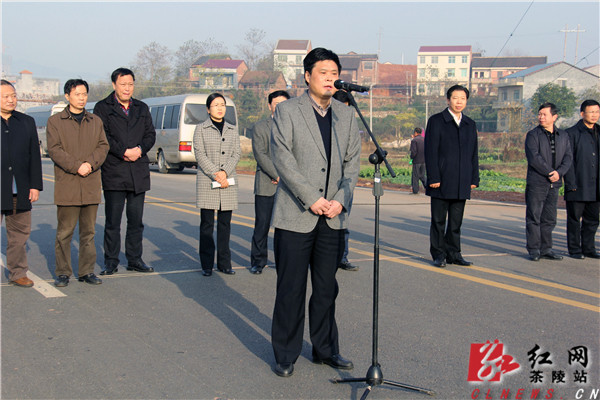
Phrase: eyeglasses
(217, 105)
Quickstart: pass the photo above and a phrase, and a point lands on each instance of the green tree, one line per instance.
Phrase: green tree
(563, 97)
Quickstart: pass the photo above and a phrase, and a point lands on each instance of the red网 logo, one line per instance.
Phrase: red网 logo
(488, 362)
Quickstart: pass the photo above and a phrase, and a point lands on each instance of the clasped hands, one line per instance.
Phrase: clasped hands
(221, 177)
(85, 169)
(330, 209)
(132, 154)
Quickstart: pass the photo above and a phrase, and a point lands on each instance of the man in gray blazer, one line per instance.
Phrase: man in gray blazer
(265, 184)
(315, 148)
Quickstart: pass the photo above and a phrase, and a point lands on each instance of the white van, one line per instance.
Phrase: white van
(175, 119)
(40, 115)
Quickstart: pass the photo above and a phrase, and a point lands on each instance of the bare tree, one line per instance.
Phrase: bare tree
(254, 49)
(192, 50)
(152, 64)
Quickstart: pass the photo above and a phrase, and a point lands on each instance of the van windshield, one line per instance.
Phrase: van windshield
(196, 114)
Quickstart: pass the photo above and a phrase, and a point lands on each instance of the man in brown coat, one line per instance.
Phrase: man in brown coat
(78, 146)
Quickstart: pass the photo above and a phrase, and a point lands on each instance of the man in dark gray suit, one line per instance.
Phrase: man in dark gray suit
(417, 156)
(315, 147)
(582, 183)
(549, 157)
(265, 184)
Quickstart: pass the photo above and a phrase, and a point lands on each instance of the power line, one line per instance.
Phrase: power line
(512, 33)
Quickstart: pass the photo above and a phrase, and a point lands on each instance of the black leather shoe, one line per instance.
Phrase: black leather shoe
(577, 256)
(91, 279)
(440, 262)
(207, 272)
(459, 261)
(335, 361)
(345, 265)
(592, 255)
(109, 270)
(534, 257)
(256, 269)
(140, 267)
(284, 369)
(61, 281)
(226, 271)
(551, 256)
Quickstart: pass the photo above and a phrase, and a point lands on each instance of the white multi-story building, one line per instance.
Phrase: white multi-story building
(288, 57)
(33, 91)
(439, 67)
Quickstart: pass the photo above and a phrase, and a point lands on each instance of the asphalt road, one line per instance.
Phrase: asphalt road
(176, 334)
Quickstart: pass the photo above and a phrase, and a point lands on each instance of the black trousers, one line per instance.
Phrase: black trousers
(540, 217)
(263, 209)
(582, 224)
(444, 239)
(294, 252)
(115, 201)
(207, 243)
(418, 174)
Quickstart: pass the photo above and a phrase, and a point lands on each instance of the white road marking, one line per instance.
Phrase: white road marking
(43, 287)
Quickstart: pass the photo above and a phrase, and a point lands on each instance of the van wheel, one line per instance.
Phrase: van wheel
(180, 168)
(163, 167)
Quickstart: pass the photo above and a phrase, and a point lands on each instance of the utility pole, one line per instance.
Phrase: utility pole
(566, 31)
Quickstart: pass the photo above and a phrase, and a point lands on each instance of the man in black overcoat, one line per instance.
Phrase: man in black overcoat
(451, 159)
(21, 182)
(582, 183)
(125, 173)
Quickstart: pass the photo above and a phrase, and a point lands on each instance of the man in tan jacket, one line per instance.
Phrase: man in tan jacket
(78, 146)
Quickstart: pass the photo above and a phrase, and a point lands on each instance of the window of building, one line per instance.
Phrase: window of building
(463, 72)
(368, 65)
(499, 74)
(504, 95)
(451, 59)
(434, 72)
(421, 89)
(434, 89)
(465, 59)
(562, 82)
(516, 95)
(282, 57)
(421, 72)
(451, 73)
(434, 59)
(298, 59)
(422, 60)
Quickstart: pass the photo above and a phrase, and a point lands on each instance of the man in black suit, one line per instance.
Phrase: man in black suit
(451, 160)
(549, 157)
(21, 182)
(417, 156)
(265, 184)
(582, 183)
(125, 173)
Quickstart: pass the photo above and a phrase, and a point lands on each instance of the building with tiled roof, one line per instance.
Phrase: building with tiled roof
(515, 90)
(359, 68)
(288, 57)
(439, 67)
(396, 80)
(486, 71)
(223, 74)
(265, 81)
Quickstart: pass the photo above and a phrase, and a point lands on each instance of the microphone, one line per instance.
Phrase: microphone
(349, 87)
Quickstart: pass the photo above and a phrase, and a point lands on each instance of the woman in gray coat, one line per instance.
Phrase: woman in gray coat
(217, 150)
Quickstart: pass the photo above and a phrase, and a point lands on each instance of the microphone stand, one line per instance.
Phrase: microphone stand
(374, 375)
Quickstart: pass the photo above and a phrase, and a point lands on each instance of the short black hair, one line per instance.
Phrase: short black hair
(341, 95)
(455, 88)
(418, 130)
(73, 83)
(212, 98)
(278, 93)
(588, 103)
(121, 72)
(320, 54)
(7, 83)
(551, 106)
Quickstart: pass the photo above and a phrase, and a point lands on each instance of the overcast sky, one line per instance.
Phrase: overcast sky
(90, 39)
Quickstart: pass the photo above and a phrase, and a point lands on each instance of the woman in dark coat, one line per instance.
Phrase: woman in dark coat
(217, 151)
